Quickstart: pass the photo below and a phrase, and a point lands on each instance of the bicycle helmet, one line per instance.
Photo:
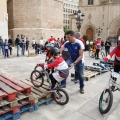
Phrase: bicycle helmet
(54, 51)
(50, 45)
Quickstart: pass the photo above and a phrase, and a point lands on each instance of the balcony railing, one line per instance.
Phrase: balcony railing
(109, 1)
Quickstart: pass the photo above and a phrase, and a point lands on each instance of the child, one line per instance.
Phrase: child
(6, 47)
(62, 70)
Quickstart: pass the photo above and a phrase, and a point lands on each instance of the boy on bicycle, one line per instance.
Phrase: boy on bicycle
(61, 67)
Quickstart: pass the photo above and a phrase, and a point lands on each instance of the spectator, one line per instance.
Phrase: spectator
(17, 43)
(76, 49)
(10, 44)
(27, 43)
(1, 45)
(52, 39)
(23, 42)
(33, 43)
(98, 47)
(107, 46)
(6, 47)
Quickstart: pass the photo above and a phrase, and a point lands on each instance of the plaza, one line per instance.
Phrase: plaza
(80, 106)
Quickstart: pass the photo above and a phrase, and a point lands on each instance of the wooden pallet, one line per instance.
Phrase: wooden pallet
(10, 88)
(89, 74)
(95, 68)
(38, 93)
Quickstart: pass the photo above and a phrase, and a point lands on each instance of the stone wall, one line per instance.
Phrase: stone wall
(36, 18)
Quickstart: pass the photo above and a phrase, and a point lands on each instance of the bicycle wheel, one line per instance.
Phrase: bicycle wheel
(91, 53)
(103, 55)
(61, 96)
(37, 78)
(105, 101)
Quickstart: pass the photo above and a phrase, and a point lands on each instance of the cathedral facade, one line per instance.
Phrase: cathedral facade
(102, 17)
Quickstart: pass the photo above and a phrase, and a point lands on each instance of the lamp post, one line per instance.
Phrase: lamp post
(99, 31)
(79, 16)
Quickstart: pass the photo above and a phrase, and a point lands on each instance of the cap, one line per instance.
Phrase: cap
(77, 34)
(50, 45)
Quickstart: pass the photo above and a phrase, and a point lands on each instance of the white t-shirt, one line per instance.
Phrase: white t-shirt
(41, 42)
(33, 41)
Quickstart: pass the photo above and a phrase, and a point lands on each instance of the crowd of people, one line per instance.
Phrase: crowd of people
(62, 54)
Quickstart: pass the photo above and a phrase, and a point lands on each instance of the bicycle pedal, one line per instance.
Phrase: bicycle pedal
(112, 88)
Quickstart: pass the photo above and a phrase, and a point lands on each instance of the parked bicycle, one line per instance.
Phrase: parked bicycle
(38, 77)
(106, 98)
(92, 53)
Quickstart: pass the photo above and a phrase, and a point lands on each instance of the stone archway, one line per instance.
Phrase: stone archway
(89, 32)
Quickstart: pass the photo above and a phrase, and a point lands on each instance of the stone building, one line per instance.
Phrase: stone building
(3, 19)
(70, 6)
(103, 14)
(35, 18)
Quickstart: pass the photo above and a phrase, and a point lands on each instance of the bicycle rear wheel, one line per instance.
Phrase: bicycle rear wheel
(61, 96)
(91, 53)
(103, 55)
(105, 101)
(37, 78)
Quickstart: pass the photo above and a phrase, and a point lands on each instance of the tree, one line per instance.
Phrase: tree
(65, 29)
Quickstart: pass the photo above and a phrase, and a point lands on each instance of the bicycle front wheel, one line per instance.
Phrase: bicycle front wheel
(37, 78)
(105, 101)
(61, 96)
(91, 53)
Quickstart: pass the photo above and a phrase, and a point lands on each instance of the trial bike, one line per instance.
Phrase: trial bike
(106, 98)
(38, 77)
(92, 53)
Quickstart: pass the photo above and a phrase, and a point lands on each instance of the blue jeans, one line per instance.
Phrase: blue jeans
(23, 49)
(107, 51)
(1, 47)
(6, 53)
(18, 47)
(79, 69)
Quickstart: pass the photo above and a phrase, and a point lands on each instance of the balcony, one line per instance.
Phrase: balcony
(109, 2)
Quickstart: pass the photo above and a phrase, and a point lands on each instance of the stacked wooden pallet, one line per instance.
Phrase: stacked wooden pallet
(17, 97)
(95, 68)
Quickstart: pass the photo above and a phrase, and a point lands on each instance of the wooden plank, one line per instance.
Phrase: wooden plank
(2, 94)
(14, 86)
(18, 83)
(6, 88)
(39, 89)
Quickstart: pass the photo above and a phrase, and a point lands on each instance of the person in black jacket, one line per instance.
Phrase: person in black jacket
(107, 46)
(10, 45)
(17, 43)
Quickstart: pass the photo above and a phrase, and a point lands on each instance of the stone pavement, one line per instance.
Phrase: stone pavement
(80, 106)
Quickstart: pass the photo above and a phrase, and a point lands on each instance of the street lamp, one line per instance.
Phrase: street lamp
(79, 16)
(99, 31)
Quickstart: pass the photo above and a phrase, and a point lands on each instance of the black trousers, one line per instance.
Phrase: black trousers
(97, 53)
(53, 80)
(116, 68)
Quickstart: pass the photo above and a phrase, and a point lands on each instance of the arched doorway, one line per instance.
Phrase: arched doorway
(89, 32)
(118, 33)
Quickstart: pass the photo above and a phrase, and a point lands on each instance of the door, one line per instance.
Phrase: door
(89, 32)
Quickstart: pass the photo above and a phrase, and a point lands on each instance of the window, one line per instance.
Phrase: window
(90, 2)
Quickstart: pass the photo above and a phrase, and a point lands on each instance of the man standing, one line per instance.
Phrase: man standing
(17, 43)
(98, 47)
(76, 49)
(1, 45)
(107, 46)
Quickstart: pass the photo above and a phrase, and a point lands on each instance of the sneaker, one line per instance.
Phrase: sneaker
(73, 79)
(81, 90)
(76, 81)
(62, 86)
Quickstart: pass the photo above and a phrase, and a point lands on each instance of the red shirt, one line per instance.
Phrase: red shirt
(52, 40)
(82, 40)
